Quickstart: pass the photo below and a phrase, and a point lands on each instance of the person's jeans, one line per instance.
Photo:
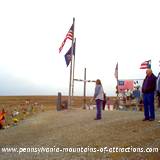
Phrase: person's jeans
(148, 100)
(99, 108)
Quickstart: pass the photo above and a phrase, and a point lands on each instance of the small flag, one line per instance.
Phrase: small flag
(116, 71)
(146, 65)
(68, 36)
(68, 55)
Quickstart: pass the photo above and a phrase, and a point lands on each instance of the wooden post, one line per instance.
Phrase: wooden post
(84, 97)
(59, 101)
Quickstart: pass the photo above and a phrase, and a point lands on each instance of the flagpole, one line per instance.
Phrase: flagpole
(117, 87)
(70, 80)
(149, 64)
(73, 67)
(117, 78)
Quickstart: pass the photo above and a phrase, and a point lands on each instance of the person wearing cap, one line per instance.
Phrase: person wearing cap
(99, 97)
(148, 89)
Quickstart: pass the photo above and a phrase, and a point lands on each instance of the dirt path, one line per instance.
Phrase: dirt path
(76, 128)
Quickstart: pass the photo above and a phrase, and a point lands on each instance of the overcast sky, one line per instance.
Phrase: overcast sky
(107, 32)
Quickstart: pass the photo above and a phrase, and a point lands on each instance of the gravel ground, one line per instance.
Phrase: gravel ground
(75, 128)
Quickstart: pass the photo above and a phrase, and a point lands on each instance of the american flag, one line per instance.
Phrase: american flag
(68, 36)
(146, 64)
(125, 84)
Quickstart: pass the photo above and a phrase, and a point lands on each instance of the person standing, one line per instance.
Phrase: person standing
(148, 89)
(104, 101)
(137, 95)
(108, 103)
(158, 90)
(99, 97)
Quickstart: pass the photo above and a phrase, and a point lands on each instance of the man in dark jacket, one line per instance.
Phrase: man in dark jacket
(158, 90)
(148, 89)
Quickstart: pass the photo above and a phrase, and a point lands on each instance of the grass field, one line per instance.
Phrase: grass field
(45, 100)
(29, 105)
